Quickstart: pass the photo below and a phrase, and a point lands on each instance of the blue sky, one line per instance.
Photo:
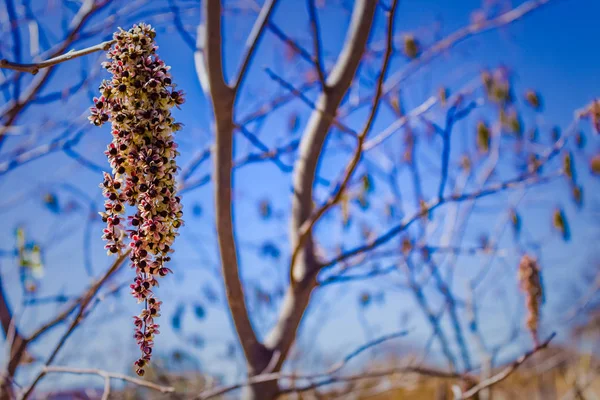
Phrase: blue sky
(551, 50)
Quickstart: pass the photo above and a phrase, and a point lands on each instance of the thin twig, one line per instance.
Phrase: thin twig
(253, 41)
(460, 35)
(332, 370)
(506, 372)
(451, 303)
(432, 318)
(520, 181)
(298, 93)
(35, 67)
(452, 116)
(291, 43)
(12, 109)
(107, 376)
(316, 38)
(529, 178)
(307, 226)
(82, 304)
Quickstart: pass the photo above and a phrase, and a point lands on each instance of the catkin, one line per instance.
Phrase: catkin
(531, 285)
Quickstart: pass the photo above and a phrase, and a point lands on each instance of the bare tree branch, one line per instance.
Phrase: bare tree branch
(329, 372)
(452, 116)
(12, 110)
(519, 181)
(460, 35)
(506, 372)
(308, 225)
(9, 327)
(302, 274)
(301, 51)
(316, 39)
(253, 41)
(107, 377)
(34, 68)
(451, 303)
(298, 93)
(433, 320)
(82, 305)
(209, 65)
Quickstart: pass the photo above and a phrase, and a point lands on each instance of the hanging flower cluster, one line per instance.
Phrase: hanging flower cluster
(531, 285)
(137, 102)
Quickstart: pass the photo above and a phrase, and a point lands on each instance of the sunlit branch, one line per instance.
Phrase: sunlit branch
(334, 369)
(81, 305)
(12, 110)
(460, 35)
(253, 41)
(308, 225)
(107, 377)
(506, 372)
(390, 234)
(34, 68)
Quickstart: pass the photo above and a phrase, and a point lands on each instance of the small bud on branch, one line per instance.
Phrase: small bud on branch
(531, 284)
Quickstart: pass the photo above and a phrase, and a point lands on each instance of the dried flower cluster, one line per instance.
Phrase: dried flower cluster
(595, 164)
(560, 223)
(484, 135)
(531, 284)
(498, 87)
(412, 47)
(533, 99)
(137, 102)
(593, 112)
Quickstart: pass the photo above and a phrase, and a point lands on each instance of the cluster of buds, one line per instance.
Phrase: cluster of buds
(412, 47)
(137, 102)
(593, 112)
(498, 87)
(531, 284)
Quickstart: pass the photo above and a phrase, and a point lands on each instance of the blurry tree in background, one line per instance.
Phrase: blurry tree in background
(337, 167)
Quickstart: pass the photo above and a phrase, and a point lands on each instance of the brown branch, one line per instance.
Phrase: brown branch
(302, 275)
(91, 292)
(275, 376)
(108, 376)
(82, 305)
(35, 67)
(528, 179)
(209, 66)
(506, 372)
(11, 112)
(325, 379)
(460, 35)
(9, 328)
(308, 225)
(208, 57)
